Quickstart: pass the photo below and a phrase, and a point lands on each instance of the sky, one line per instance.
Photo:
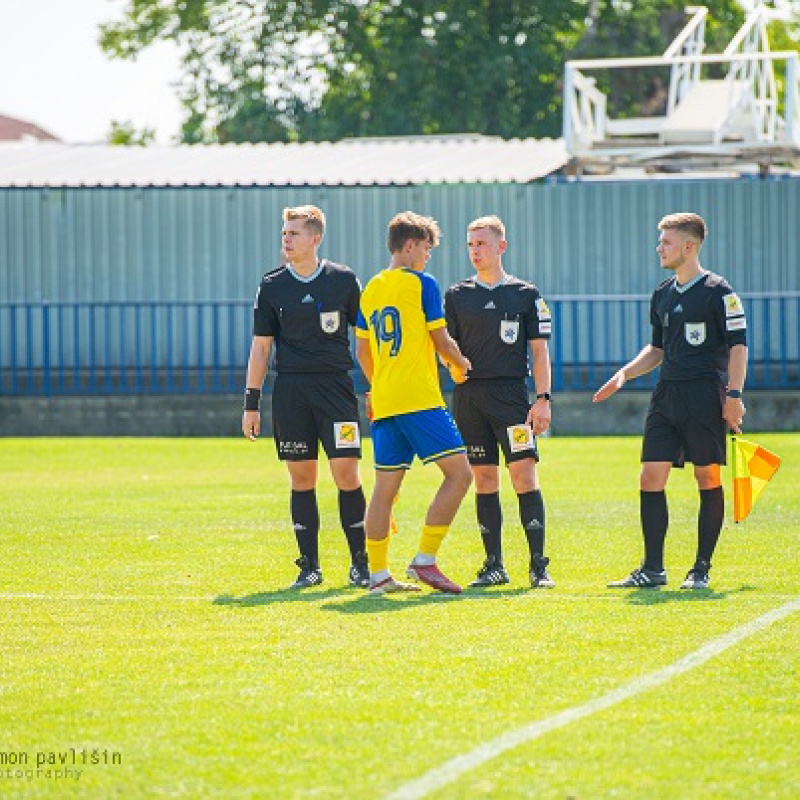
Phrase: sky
(54, 74)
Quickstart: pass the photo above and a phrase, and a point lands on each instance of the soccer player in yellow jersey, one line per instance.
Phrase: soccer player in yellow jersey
(399, 331)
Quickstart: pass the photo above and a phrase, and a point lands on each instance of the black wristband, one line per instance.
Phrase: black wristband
(736, 394)
(252, 399)
(544, 396)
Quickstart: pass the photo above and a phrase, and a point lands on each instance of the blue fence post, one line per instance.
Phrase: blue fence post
(138, 350)
(60, 347)
(29, 349)
(558, 351)
(12, 327)
(123, 348)
(45, 350)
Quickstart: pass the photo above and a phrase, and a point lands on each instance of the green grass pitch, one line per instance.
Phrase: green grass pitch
(148, 641)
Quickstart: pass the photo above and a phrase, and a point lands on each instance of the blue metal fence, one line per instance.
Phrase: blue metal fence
(593, 336)
(89, 348)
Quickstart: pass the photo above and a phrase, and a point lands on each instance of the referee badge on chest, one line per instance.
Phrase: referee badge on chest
(695, 333)
(329, 321)
(509, 330)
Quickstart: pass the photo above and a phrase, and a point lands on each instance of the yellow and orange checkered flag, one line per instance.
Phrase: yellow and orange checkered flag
(753, 468)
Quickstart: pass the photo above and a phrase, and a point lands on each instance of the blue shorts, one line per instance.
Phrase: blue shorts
(429, 435)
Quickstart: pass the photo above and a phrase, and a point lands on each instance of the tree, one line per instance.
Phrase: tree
(454, 66)
(242, 60)
(327, 69)
(646, 28)
(299, 70)
(124, 133)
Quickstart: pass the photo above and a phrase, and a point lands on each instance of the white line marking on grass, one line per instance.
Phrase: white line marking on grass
(223, 600)
(105, 598)
(454, 768)
(532, 596)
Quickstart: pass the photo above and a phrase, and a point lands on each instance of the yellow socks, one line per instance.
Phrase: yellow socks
(378, 554)
(431, 540)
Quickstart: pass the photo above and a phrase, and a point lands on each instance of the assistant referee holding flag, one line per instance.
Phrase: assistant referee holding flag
(304, 308)
(699, 339)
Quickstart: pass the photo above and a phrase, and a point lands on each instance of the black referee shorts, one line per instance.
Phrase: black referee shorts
(309, 408)
(685, 423)
(491, 417)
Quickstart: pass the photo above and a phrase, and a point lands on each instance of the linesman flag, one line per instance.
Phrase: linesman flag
(753, 468)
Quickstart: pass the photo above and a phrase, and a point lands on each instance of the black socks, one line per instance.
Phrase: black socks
(709, 522)
(305, 519)
(490, 521)
(352, 508)
(531, 515)
(655, 519)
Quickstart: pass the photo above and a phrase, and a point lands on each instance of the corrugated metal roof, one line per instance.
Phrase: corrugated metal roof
(356, 162)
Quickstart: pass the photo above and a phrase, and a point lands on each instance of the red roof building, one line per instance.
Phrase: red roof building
(14, 130)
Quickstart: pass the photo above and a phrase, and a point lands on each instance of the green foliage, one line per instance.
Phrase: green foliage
(143, 611)
(477, 67)
(326, 70)
(124, 133)
(647, 28)
(290, 70)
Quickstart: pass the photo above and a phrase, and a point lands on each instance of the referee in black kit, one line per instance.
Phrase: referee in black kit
(496, 318)
(304, 308)
(699, 338)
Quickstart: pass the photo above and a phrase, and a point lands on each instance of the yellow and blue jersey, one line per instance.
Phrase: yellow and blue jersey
(398, 309)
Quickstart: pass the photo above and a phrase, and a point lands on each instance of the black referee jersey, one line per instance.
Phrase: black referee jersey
(308, 317)
(696, 325)
(493, 324)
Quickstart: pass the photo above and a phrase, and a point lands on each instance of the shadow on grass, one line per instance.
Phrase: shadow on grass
(371, 604)
(653, 597)
(352, 600)
(280, 596)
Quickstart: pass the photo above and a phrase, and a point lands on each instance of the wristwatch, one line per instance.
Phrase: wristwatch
(544, 396)
(736, 394)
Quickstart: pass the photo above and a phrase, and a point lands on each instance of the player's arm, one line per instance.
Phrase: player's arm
(734, 409)
(450, 317)
(257, 366)
(648, 359)
(364, 358)
(539, 413)
(353, 301)
(451, 326)
(448, 351)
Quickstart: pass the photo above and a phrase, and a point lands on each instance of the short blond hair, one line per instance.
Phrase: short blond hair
(312, 217)
(687, 223)
(409, 225)
(492, 222)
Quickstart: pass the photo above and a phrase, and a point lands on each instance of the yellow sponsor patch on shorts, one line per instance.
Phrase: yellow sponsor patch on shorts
(346, 434)
(520, 437)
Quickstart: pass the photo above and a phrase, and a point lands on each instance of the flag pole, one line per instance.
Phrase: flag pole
(734, 476)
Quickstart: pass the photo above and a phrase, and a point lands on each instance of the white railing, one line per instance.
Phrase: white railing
(586, 122)
(691, 41)
(752, 36)
(757, 76)
(586, 108)
(752, 89)
(791, 109)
